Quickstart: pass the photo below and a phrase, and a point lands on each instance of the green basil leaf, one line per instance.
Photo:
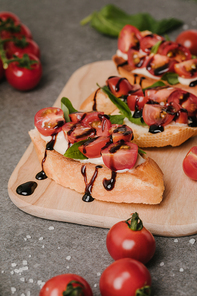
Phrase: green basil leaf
(73, 151)
(155, 47)
(67, 108)
(167, 38)
(110, 20)
(140, 151)
(171, 78)
(194, 57)
(156, 84)
(116, 119)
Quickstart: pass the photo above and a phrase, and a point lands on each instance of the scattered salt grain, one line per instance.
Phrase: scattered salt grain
(25, 238)
(40, 283)
(68, 258)
(31, 281)
(29, 256)
(13, 290)
(67, 267)
(43, 246)
(51, 228)
(58, 248)
(28, 293)
(28, 236)
(24, 262)
(161, 264)
(95, 285)
(98, 274)
(181, 269)
(22, 294)
(41, 238)
(22, 279)
(176, 240)
(185, 27)
(192, 241)
(13, 264)
(2, 271)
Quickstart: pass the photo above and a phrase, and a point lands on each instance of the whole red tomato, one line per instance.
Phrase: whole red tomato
(24, 75)
(188, 38)
(66, 284)
(125, 277)
(24, 45)
(21, 31)
(4, 15)
(190, 163)
(130, 239)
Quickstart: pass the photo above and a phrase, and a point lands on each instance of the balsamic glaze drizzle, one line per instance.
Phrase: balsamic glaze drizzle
(94, 107)
(193, 83)
(87, 197)
(26, 188)
(110, 183)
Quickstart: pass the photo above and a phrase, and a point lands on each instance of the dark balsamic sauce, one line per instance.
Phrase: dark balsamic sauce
(117, 87)
(110, 183)
(141, 79)
(87, 197)
(193, 83)
(135, 78)
(41, 175)
(26, 188)
(123, 64)
(94, 107)
(154, 129)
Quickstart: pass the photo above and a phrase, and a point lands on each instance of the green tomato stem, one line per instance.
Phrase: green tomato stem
(135, 223)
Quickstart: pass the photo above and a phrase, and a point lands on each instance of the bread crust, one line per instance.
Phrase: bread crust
(144, 184)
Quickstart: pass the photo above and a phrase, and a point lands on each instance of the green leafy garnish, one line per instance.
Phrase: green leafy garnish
(156, 84)
(116, 119)
(67, 108)
(110, 20)
(167, 38)
(155, 47)
(122, 106)
(140, 151)
(74, 153)
(171, 78)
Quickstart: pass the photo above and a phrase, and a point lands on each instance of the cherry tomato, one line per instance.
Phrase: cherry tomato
(24, 77)
(181, 116)
(127, 277)
(23, 32)
(4, 15)
(121, 132)
(188, 39)
(75, 132)
(129, 37)
(147, 42)
(187, 69)
(120, 155)
(136, 102)
(136, 58)
(155, 114)
(175, 51)
(92, 148)
(159, 94)
(158, 64)
(119, 86)
(22, 46)
(49, 121)
(190, 163)
(65, 283)
(2, 71)
(130, 239)
(98, 121)
(76, 116)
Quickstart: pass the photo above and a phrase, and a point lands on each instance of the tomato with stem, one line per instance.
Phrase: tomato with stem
(21, 46)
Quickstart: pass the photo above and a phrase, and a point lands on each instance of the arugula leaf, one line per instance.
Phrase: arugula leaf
(110, 20)
(171, 78)
(67, 108)
(116, 119)
(122, 106)
(155, 47)
(156, 84)
(74, 153)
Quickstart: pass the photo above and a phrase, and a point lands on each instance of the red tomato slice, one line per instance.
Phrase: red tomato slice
(119, 156)
(187, 69)
(15, 48)
(99, 121)
(136, 59)
(155, 114)
(119, 86)
(175, 51)
(136, 102)
(181, 116)
(188, 39)
(147, 42)
(190, 163)
(77, 116)
(158, 64)
(75, 132)
(49, 121)
(121, 132)
(129, 37)
(92, 148)
(159, 94)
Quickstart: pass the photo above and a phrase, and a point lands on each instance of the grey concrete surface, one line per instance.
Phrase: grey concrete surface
(32, 250)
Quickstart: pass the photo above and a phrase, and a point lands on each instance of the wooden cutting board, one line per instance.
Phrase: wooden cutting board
(175, 216)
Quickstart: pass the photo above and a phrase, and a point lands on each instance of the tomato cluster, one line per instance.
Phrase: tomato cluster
(158, 55)
(19, 54)
(158, 106)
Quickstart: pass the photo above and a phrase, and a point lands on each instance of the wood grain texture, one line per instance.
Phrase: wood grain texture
(175, 216)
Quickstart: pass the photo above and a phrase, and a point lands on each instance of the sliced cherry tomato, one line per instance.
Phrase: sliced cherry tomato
(188, 39)
(158, 64)
(155, 114)
(66, 284)
(2, 71)
(130, 239)
(119, 156)
(98, 121)
(175, 51)
(129, 37)
(24, 77)
(119, 86)
(181, 116)
(22, 46)
(75, 132)
(136, 59)
(22, 32)
(136, 102)
(92, 148)
(4, 15)
(190, 163)
(121, 132)
(49, 121)
(159, 94)
(147, 42)
(76, 116)
(187, 69)
(178, 95)
(127, 277)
